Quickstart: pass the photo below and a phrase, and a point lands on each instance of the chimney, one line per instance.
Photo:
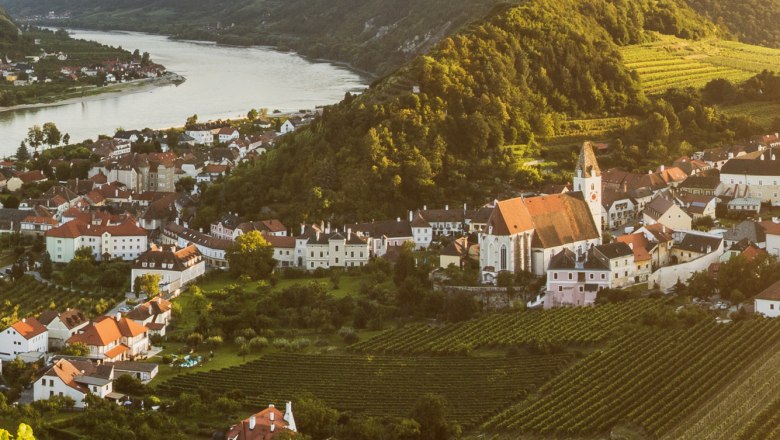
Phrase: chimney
(411, 215)
(303, 228)
(252, 422)
(288, 417)
(425, 207)
(349, 233)
(649, 171)
(662, 167)
(446, 207)
(118, 316)
(271, 416)
(398, 219)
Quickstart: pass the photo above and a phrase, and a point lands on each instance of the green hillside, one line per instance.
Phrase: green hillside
(12, 44)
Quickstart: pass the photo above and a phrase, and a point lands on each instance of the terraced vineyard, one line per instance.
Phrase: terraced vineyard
(475, 388)
(654, 379)
(27, 296)
(571, 326)
(673, 62)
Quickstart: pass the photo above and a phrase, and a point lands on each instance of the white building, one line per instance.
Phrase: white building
(154, 315)
(25, 336)
(287, 127)
(227, 134)
(326, 249)
(202, 137)
(755, 175)
(62, 326)
(108, 237)
(176, 267)
(767, 303)
(666, 212)
(74, 379)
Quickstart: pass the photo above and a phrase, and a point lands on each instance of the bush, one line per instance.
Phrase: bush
(214, 341)
(239, 340)
(167, 359)
(348, 334)
(282, 344)
(258, 343)
(300, 343)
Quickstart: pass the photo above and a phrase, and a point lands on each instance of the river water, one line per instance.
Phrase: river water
(222, 82)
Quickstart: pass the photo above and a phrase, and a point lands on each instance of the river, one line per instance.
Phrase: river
(222, 82)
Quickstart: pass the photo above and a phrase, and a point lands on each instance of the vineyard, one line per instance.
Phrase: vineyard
(27, 296)
(672, 62)
(654, 379)
(571, 326)
(475, 388)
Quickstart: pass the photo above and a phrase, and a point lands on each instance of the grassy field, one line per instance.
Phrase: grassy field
(673, 62)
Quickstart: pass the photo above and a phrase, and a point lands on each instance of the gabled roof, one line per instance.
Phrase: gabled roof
(67, 373)
(149, 309)
(567, 259)
(640, 245)
(658, 207)
(124, 227)
(699, 243)
(559, 219)
(771, 293)
(176, 259)
(510, 217)
(615, 250)
(29, 327)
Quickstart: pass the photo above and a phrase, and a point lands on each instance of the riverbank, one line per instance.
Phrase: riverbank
(93, 93)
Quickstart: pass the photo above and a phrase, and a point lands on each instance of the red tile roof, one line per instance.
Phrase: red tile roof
(125, 227)
(29, 327)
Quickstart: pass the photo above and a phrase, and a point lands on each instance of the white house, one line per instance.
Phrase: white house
(25, 336)
(74, 379)
(108, 237)
(666, 212)
(213, 249)
(755, 175)
(227, 134)
(154, 315)
(113, 339)
(176, 267)
(287, 127)
(619, 258)
(202, 137)
(328, 249)
(767, 303)
(62, 326)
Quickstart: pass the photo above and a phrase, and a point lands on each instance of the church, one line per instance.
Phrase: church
(523, 234)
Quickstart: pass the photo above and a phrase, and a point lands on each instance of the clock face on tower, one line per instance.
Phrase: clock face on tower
(593, 196)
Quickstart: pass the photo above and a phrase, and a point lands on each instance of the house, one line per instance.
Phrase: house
(227, 134)
(33, 224)
(755, 176)
(666, 212)
(113, 339)
(284, 249)
(694, 245)
(619, 258)
(61, 326)
(200, 137)
(454, 253)
(618, 208)
(751, 205)
(444, 222)
(699, 206)
(143, 371)
(272, 227)
(767, 302)
(11, 219)
(744, 248)
(663, 236)
(575, 279)
(34, 176)
(331, 248)
(287, 127)
(211, 173)
(176, 267)
(225, 227)
(644, 252)
(264, 425)
(111, 148)
(383, 234)
(523, 234)
(107, 236)
(74, 379)
(704, 185)
(771, 229)
(422, 231)
(211, 248)
(154, 314)
(22, 337)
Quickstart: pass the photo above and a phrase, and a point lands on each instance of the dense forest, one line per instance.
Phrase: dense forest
(499, 83)
(11, 43)
(751, 21)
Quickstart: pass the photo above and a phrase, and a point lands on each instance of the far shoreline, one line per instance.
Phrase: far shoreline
(98, 93)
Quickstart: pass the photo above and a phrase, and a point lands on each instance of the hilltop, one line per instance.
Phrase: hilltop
(12, 43)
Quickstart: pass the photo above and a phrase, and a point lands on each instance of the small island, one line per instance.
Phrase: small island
(42, 66)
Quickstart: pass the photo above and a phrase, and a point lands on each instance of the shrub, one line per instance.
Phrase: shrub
(258, 343)
(214, 341)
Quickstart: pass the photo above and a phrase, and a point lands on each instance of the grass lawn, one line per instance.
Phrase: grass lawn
(348, 284)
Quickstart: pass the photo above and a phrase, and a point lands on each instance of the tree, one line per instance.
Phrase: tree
(46, 266)
(191, 121)
(82, 264)
(24, 432)
(76, 349)
(51, 133)
(429, 412)
(22, 153)
(66, 139)
(251, 255)
(145, 59)
(315, 418)
(251, 115)
(185, 184)
(147, 284)
(35, 137)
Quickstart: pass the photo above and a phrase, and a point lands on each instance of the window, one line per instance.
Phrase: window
(571, 276)
(337, 248)
(560, 288)
(603, 276)
(555, 275)
(591, 276)
(771, 306)
(503, 257)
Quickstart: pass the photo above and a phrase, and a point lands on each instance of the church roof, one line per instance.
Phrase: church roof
(587, 162)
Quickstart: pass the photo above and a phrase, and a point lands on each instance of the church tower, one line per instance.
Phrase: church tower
(587, 179)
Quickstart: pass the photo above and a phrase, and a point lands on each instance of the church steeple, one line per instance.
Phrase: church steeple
(587, 179)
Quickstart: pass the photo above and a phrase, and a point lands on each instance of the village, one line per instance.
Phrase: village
(605, 230)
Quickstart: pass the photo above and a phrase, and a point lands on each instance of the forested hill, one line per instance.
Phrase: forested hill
(11, 43)
(498, 83)
(751, 21)
(374, 35)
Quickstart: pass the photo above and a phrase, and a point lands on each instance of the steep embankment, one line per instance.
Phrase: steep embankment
(12, 44)
(499, 83)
